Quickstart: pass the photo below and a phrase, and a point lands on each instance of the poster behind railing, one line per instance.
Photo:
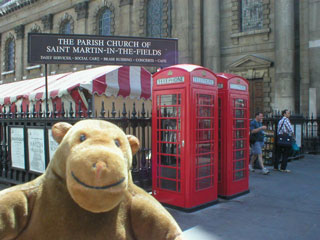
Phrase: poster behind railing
(36, 146)
(298, 134)
(17, 147)
(53, 145)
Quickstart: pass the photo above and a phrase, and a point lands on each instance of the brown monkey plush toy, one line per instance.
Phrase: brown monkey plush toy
(86, 192)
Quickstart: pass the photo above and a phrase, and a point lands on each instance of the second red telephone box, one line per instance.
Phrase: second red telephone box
(184, 136)
(233, 177)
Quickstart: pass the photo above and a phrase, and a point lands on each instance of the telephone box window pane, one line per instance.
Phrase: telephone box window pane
(205, 111)
(168, 184)
(168, 136)
(168, 148)
(204, 171)
(203, 135)
(239, 144)
(168, 172)
(169, 124)
(238, 134)
(238, 165)
(204, 159)
(239, 154)
(204, 123)
(170, 111)
(168, 100)
(240, 103)
(238, 175)
(204, 148)
(204, 183)
(239, 113)
(204, 99)
(168, 160)
(238, 124)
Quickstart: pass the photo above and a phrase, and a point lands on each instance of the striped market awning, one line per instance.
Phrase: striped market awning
(126, 81)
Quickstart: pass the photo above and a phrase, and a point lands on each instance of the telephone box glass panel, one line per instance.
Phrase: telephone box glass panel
(168, 142)
(219, 137)
(204, 140)
(239, 137)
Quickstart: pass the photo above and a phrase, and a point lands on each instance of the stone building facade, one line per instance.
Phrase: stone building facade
(275, 44)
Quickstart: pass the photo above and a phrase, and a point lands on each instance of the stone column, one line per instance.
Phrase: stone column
(195, 14)
(19, 30)
(314, 49)
(1, 81)
(126, 18)
(284, 54)
(47, 22)
(182, 29)
(82, 16)
(211, 34)
(313, 102)
(82, 23)
(304, 57)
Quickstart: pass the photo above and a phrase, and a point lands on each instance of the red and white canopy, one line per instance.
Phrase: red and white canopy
(125, 81)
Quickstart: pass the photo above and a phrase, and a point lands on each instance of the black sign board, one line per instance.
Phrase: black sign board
(101, 50)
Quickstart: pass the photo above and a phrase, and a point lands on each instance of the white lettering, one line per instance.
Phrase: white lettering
(87, 50)
(205, 81)
(172, 80)
(57, 49)
(90, 42)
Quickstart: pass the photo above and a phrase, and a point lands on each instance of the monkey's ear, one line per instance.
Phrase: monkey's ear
(59, 130)
(134, 144)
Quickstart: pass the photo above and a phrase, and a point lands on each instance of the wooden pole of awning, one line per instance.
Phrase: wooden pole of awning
(46, 79)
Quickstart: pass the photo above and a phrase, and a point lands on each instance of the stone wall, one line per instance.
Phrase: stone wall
(209, 34)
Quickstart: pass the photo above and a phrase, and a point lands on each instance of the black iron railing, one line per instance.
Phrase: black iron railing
(138, 123)
(307, 132)
(132, 122)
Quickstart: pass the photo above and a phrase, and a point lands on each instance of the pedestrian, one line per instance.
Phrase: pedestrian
(284, 127)
(256, 148)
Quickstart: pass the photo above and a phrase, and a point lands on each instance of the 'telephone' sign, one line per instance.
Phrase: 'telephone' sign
(101, 50)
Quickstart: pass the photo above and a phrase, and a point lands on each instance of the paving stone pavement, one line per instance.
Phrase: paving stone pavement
(280, 206)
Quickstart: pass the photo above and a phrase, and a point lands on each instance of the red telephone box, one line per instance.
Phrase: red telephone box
(184, 135)
(233, 101)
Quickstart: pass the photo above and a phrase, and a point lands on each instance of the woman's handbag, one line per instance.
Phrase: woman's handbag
(284, 140)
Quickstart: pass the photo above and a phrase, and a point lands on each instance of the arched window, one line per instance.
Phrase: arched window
(104, 22)
(65, 27)
(10, 55)
(35, 29)
(154, 18)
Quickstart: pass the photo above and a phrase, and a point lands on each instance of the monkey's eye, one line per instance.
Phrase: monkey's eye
(82, 137)
(116, 141)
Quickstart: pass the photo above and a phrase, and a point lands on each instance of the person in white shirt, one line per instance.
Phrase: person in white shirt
(284, 126)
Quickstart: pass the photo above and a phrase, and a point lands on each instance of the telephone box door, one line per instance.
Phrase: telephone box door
(168, 146)
(240, 145)
(204, 167)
